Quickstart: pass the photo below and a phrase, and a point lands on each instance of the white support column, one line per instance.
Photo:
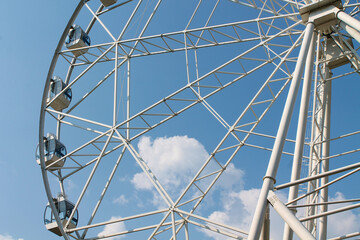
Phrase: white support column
(355, 34)
(186, 231)
(173, 225)
(265, 232)
(289, 217)
(325, 154)
(274, 161)
(300, 135)
(348, 20)
(314, 155)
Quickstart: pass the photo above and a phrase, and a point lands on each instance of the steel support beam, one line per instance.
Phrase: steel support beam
(300, 135)
(355, 34)
(348, 20)
(325, 154)
(274, 161)
(289, 217)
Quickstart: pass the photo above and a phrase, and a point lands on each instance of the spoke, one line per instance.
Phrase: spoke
(208, 36)
(205, 70)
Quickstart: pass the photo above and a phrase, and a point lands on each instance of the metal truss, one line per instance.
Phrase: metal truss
(279, 47)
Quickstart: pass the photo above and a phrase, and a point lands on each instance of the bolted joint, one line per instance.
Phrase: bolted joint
(272, 198)
(322, 14)
(271, 178)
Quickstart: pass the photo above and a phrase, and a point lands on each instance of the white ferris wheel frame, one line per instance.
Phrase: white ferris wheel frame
(129, 48)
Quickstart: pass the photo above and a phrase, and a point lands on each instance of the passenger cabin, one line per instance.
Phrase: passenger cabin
(61, 101)
(64, 209)
(53, 151)
(76, 39)
(107, 3)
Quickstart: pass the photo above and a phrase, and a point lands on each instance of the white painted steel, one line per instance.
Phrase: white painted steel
(42, 116)
(274, 161)
(278, 32)
(289, 217)
(355, 34)
(300, 134)
(324, 196)
(347, 236)
(347, 19)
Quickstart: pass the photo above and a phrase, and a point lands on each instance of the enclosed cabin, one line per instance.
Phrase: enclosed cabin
(54, 150)
(58, 98)
(76, 40)
(107, 3)
(64, 209)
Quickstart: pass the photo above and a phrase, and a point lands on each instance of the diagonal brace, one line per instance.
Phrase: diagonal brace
(289, 217)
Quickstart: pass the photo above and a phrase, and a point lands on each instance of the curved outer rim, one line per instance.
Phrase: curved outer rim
(42, 116)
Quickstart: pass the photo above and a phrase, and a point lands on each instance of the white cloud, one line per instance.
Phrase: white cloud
(121, 200)
(238, 210)
(239, 207)
(231, 179)
(349, 220)
(141, 181)
(173, 160)
(113, 228)
(8, 237)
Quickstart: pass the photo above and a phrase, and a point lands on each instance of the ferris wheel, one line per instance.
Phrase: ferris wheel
(182, 120)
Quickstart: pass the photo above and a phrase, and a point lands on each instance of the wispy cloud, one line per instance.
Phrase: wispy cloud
(121, 200)
(239, 207)
(349, 220)
(70, 185)
(113, 228)
(238, 210)
(8, 237)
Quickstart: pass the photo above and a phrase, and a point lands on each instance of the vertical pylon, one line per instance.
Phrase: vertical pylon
(325, 153)
(274, 161)
(300, 135)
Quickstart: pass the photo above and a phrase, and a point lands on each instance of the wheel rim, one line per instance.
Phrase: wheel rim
(106, 131)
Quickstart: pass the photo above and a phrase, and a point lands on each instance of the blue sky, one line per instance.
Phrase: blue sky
(29, 36)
